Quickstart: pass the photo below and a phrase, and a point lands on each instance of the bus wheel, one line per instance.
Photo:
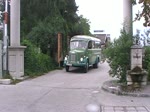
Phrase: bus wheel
(95, 65)
(67, 68)
(86, 68)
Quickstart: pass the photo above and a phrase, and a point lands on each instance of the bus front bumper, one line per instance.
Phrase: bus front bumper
(76, 64)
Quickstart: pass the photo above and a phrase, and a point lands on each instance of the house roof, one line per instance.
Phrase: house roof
(85, 37)
(102, 37)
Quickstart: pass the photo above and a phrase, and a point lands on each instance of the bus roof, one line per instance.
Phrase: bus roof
(84, 37)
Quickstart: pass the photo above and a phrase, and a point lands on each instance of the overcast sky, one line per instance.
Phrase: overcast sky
(105, 15)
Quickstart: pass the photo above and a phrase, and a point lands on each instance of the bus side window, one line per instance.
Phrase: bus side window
(93, 44)
(97, 44)
(90, 45)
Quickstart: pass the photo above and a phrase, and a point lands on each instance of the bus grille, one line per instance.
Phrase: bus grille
(72, 57)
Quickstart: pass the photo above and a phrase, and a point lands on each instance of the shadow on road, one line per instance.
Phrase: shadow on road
(79, 70)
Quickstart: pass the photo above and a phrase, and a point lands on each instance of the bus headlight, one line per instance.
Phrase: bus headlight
(81, 59)
(65, 58)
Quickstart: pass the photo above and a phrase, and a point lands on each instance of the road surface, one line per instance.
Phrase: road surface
(75, 91)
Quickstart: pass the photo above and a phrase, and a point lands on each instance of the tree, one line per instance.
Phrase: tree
(41, 20)
(137, 37)
(145, 12)
(33, 11)
(82, 27)
(118, 55)
(45, 33)
(146, 37)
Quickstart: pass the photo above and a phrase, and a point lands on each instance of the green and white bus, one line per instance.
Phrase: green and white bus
(85, 51)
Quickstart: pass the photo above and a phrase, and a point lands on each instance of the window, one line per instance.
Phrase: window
(90, 45)
(78, 44)
(97, 44)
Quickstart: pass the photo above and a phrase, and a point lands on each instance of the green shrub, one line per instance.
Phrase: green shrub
(146, 61)
(36, 63)
(118, 54)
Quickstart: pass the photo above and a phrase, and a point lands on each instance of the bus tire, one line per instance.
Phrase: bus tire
(86, 67)
(95, 65)
(67, 68)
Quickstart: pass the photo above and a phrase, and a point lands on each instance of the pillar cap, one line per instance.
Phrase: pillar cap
(14, 48)
(136, 47)
(17, 47)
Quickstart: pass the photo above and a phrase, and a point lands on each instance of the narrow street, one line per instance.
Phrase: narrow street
(74, 91)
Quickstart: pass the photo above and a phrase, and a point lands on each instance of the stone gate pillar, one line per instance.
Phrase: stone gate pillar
(127, 15)
(15, 51)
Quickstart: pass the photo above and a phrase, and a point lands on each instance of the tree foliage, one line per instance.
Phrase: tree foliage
(146, 61)
(42, 20)
(33, 11)
(82, 26)
(36, 63)
(118, 54)
(145, 12)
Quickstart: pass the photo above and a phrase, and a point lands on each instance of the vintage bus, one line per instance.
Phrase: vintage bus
(85, 51)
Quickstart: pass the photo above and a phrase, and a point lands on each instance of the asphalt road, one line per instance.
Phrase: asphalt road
(75, 91)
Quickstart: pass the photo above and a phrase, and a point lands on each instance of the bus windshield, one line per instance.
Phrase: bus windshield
(78, 44)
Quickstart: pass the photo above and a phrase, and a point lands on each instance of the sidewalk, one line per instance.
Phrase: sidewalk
(113, 87)
(124, 109)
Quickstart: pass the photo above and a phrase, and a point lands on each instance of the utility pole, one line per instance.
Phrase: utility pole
(5, 40)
